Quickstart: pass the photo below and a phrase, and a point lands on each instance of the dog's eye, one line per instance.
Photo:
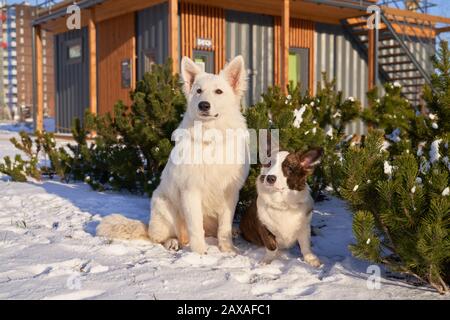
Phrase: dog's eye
(218, 91)
(290, 170)
(199, 90)
(268, 165)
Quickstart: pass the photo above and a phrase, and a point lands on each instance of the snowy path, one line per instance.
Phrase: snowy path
(48, 251)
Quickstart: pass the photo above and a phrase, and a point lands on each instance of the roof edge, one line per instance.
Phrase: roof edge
(61, 12)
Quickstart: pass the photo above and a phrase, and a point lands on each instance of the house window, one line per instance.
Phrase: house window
(299, 67)
(205, 60)
(74, 50)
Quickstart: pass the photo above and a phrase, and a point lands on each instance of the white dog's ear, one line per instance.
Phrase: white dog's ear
(189, 71)
(236, 75)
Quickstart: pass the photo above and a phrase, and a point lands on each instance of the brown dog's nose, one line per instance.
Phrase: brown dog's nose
(271, 179)
(204, 106)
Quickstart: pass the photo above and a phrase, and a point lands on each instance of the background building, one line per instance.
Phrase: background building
(17, 62)
(281, 41)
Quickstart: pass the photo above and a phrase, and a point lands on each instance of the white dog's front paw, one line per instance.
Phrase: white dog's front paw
(227, 247)
(312, 260)
(172, 244)
(198, 246)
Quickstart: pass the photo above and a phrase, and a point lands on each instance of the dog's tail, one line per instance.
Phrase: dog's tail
(117, 226)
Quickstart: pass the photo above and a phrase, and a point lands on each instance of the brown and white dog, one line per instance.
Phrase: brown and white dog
(282, 213)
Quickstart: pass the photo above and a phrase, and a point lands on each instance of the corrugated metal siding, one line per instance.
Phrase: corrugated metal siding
(252, 36)
(72, 80)
(152, 34)
(336, 55)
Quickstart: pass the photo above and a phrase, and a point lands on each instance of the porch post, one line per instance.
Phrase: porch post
(285, 45)
(173, 34)
(92, 62)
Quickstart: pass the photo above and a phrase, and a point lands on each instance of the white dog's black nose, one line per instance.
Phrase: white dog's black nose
(271, 179)
(204, 106)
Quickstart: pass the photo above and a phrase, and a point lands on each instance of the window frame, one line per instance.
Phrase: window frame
(71, 43)
(304, 55)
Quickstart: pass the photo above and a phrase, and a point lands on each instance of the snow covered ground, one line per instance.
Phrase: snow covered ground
(48, 251)
(49, 126)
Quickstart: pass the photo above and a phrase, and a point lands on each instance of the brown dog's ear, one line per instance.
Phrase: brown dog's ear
(189, 71)
(310, 159)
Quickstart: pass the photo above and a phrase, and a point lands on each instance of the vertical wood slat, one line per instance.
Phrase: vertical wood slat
(301, 36)
(312, 62)
(134, 62)
(285, 21)
(205, 22)
(92, 35)
(39, 81)
(173, 34)
(276, 54)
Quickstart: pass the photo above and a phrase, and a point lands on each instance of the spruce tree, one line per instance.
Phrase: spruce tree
(131, 145)
(400, 194)
(401, 213)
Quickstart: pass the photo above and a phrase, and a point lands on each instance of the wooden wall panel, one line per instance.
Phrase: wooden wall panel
(92, 34)
(301, 35)
(116, 42)
(199, 21)
(174, 51)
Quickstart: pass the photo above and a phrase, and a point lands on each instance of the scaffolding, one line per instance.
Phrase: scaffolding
(422, 6)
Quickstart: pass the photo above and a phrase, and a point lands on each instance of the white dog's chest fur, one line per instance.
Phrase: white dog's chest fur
(215, 182)
(285, 214)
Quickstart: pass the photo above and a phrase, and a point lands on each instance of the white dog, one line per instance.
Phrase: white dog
(197, 199)
(281, 215)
